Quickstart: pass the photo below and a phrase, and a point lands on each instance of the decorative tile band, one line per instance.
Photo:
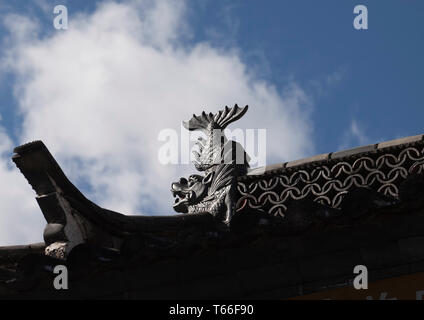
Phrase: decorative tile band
(328, 178)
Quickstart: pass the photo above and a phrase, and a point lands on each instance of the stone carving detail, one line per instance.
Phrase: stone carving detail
(329, 182)
(221, 160)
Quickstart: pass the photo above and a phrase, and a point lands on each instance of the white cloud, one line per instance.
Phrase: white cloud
(324, 84)
(20, 218)
(355, 136)
(99, 93)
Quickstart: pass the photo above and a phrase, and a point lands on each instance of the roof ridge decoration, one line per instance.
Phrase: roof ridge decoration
(221, 159)
(225, 194)
(327, 178)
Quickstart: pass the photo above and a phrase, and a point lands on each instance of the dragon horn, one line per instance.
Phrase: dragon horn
(222, 118)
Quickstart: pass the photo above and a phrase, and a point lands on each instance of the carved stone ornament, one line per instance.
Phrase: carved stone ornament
(221, 160)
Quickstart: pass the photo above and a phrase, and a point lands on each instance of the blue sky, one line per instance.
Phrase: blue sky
(381, 68)
(98, 93)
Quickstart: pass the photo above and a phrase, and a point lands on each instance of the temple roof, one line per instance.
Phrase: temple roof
(300, 227)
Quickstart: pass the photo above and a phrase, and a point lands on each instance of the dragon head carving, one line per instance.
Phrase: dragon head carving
(189, 192)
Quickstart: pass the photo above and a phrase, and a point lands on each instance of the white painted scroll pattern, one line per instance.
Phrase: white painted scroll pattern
(328, 183)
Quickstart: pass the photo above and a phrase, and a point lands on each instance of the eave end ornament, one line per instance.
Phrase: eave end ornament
(221, 160)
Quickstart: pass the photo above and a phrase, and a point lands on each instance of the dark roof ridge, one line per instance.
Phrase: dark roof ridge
(339, 155)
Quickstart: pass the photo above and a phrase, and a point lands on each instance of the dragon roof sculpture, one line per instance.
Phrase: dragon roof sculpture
(221, 159)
